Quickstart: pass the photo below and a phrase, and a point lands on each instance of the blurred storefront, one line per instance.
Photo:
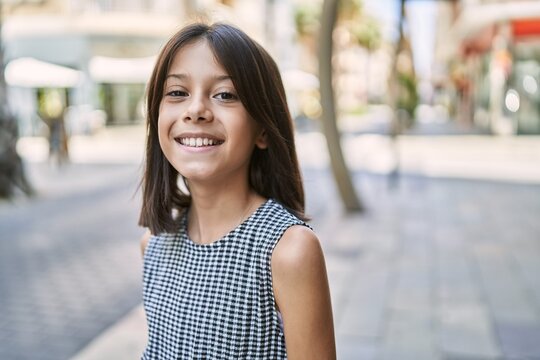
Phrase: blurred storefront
(74, 37)
(101, 52)
(488, 59)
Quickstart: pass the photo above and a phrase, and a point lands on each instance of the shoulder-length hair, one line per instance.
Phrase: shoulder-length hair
(273, 172)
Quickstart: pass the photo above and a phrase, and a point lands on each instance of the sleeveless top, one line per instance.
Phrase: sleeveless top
(215, 301)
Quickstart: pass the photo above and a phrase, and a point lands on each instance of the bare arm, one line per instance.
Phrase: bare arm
(144, 241)
(303, 296)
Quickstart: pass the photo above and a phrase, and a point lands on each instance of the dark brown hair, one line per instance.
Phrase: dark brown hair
(274, 171)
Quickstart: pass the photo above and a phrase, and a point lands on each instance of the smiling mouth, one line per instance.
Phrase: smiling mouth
(198, 142)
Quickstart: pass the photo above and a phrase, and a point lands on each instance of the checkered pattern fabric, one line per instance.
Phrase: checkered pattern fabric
(216, 301)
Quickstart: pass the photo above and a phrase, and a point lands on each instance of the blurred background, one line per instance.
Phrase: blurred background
(418, 132)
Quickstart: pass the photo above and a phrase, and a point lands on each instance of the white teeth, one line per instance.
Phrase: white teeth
(198, 142)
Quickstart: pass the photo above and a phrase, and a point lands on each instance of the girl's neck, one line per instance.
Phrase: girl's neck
(214, 214)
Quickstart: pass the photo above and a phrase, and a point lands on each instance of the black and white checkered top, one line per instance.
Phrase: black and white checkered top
(216, 301)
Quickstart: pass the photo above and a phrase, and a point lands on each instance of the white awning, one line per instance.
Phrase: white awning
(121, 70)
(33, 73)
(145, 25)
(476, 17)
(295, 79)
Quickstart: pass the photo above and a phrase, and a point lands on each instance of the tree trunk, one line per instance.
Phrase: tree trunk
(339, 168)
(393, 94)
(12, 176)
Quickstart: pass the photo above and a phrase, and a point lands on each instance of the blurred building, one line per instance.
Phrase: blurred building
(101, 52)
(488, 63)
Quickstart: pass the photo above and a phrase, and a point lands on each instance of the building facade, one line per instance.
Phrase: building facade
(489, 53)
(102, 51)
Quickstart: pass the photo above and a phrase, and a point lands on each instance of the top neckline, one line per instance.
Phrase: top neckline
(225, 237)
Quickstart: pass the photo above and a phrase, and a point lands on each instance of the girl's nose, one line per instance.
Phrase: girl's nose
(198, 110)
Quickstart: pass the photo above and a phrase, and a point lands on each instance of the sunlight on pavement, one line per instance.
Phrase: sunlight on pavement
(514, 159)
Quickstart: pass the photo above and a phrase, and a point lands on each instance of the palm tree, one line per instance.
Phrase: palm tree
(341, 173)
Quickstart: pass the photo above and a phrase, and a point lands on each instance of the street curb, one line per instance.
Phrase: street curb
(125, 340)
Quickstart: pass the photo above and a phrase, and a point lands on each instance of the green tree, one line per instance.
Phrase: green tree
(402, 95)
(366, 32)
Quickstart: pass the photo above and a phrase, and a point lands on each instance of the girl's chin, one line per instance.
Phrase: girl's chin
(197, 175)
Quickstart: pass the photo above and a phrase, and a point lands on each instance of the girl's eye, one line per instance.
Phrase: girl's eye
(177, 93)
(226, 96)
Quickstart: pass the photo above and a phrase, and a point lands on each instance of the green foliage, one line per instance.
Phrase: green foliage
(366, 32)
(307, 15)
(306, 19)
(51, 102)
(408, 95)
(359, 109)
(350, 9)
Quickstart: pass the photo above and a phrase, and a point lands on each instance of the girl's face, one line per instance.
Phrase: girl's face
(204, 130)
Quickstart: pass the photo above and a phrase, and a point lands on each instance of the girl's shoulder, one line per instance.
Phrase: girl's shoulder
(302, 294)
(297, 249)
(297, 243)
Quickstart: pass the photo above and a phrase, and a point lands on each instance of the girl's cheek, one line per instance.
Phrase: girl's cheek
(168, 113)
(164, 118)
(164, 124)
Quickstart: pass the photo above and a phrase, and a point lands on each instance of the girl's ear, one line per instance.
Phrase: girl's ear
(261, 141)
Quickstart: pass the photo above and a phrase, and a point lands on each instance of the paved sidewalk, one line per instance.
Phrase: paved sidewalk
(124, 340)
(69, 259)
(442, 266)
(513, 159)
(436, 269)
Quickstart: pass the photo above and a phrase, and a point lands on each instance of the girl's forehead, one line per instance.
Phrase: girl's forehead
(195, 55)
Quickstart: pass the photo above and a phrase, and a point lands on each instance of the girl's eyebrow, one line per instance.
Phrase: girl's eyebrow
(217, 78)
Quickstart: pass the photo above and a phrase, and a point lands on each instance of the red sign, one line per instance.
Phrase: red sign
(526, 28)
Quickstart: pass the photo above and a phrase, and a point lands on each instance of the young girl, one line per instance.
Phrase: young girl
(231, 270)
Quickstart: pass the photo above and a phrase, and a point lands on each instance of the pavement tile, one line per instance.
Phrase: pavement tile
(410, 333)
(405, 354)
(353, 348)
(504, 288)
(412, 286)
(467, 357)
(526, 257)
(519, 341)
(363, 314)
(130, 331)
(57, 291)
(454, 278)
(338, 279)
(466, 330)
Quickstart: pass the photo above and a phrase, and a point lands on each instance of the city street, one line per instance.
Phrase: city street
(69, 262)
(442, 265)
(431, 107)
